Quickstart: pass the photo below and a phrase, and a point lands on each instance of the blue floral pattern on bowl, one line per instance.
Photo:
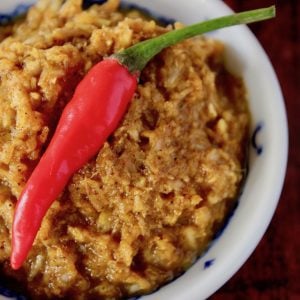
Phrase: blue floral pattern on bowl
(8, 294)
(258, 148)
(18, 11)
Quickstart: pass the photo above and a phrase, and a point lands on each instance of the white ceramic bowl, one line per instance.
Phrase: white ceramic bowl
(268, 153)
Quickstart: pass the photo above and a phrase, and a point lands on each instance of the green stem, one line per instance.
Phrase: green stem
(136, 57)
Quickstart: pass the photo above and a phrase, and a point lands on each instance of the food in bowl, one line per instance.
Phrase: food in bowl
(149, 203)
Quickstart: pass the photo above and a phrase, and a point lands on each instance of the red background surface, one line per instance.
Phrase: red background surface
(273, 270)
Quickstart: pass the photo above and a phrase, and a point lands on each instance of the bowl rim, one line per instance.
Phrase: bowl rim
(221, 272)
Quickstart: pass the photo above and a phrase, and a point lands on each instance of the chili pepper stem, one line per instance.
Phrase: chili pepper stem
(136, 57)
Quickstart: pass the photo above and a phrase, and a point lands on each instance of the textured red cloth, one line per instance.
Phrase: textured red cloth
(273, 270)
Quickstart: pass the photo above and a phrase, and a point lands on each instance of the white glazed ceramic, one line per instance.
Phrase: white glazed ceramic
(268, 153)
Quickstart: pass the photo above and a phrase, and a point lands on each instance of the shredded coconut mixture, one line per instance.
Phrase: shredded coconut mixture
(148, 204)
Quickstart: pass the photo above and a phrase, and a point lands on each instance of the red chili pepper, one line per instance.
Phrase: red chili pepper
(89, 118)
(94, 112)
